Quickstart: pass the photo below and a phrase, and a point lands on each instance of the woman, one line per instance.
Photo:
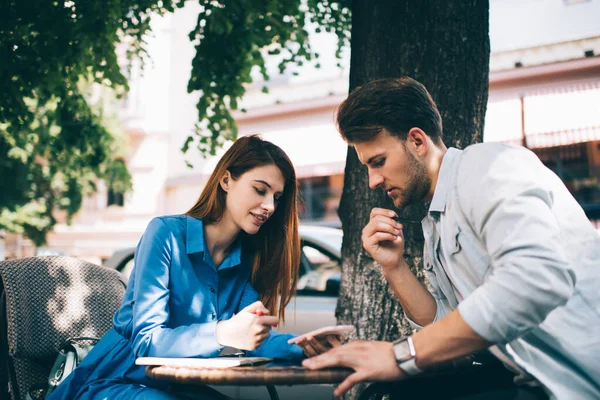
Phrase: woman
(220, 275)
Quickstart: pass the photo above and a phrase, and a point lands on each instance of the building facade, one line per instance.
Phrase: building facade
(544, 94)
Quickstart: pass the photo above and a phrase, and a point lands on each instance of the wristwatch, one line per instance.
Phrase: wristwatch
(404, 352)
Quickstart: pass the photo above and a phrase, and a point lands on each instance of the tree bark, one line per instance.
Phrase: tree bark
(445, 46)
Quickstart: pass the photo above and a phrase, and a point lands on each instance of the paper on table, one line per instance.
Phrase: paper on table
(216, 362)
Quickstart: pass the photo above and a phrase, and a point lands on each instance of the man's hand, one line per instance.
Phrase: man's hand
(371, 361)
(313, 346)
(383, 239)
(247, 329)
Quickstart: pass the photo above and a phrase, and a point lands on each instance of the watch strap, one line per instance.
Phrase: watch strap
(410, 367)
(407, 362)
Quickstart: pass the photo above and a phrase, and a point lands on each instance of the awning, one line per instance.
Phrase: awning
(564, 138)
(552, 116)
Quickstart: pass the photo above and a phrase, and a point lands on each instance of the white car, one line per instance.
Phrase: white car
(318, 282)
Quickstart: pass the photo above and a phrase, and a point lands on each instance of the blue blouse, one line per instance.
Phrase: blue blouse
(176, 295)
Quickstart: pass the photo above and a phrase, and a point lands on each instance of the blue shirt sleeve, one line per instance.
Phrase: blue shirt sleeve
(276, 345)
(151, 335)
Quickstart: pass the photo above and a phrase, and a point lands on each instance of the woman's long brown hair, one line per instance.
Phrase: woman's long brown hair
(274, 250)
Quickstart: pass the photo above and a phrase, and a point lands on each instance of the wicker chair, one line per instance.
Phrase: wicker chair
(44, 301)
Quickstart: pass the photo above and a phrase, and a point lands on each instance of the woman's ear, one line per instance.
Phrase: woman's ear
(225, 180)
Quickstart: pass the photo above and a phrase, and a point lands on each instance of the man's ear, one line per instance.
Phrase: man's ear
(418, 141)
(225, 180)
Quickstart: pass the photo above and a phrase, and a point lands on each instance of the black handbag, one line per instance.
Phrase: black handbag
(71, 354)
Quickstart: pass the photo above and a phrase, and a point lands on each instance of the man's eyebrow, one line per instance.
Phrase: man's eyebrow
(370, 160)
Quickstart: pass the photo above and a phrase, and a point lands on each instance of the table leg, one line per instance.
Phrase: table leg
(273, 392)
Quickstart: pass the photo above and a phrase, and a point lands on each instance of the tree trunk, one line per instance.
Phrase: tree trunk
(445, 46)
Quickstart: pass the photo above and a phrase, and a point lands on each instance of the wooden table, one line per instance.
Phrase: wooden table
(248, 376)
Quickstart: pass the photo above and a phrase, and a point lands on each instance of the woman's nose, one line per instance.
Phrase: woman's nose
(269, 205)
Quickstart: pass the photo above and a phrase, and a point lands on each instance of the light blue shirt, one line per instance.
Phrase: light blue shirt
(176, 295)
(507, 244)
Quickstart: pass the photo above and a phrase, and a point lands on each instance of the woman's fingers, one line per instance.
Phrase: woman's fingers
(256, 308)
(262, 329)
(334, 341)
(307, 348)
(262, 338)
(318, 345)
(268, 320)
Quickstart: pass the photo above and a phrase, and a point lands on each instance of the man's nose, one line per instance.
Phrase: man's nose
(375, 180)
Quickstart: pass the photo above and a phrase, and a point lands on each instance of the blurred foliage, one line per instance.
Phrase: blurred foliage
(233, 37)
(53, 145)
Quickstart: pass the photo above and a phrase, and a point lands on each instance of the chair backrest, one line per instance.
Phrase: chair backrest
(47, 300)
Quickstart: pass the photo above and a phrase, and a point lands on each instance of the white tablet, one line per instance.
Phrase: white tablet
(342, 331)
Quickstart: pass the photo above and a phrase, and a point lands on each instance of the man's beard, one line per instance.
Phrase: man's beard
(419, 183)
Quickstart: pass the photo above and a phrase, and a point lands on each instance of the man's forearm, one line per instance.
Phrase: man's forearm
(415, 299)
(447, 339)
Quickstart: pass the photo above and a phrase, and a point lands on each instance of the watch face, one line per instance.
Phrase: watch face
(402, 351)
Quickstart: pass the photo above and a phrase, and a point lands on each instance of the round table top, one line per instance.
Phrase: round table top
(260, 375)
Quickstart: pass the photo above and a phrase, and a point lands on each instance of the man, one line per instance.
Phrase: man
(512, 260)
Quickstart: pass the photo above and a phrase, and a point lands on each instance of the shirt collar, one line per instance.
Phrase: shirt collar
(234, 258)
(194, 235)
(196, 243)
(438, 203)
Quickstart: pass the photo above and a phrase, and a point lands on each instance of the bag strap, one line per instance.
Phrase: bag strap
(80, 349)
(82, 338)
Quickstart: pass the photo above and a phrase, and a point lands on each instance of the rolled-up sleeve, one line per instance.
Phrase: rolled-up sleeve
(151, 335)
(276, 345)
(509, 207)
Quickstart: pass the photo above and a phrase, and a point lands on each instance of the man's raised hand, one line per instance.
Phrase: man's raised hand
(383, 239)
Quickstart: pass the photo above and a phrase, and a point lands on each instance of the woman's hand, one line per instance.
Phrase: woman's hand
(313, 346)
(247, 329)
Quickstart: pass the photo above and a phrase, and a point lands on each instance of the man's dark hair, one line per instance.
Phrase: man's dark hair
(396, 104)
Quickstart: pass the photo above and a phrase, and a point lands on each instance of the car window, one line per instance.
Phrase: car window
(318, 267)
(319, 260)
